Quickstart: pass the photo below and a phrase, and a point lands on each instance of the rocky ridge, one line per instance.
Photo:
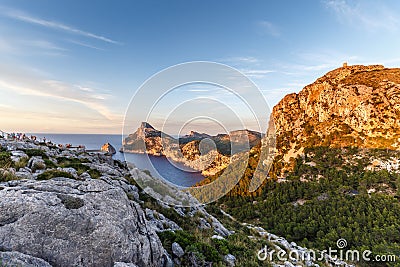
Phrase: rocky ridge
(198, 151)
(349, 106)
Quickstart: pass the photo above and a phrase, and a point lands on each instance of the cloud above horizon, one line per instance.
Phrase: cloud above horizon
(267, 27)
(25, 82)
(23, 16)
(373, 16)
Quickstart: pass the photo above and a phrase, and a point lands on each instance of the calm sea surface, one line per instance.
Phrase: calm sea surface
(158, 166)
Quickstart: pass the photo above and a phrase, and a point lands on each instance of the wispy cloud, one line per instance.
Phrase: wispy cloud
(372, 16)
(5, 106)
(249, 66)
(241, 60)
(86, 45)
(256, 73)
(22, 46)
(43, 44)
(267, 27)
(22, 16)
(24, 82)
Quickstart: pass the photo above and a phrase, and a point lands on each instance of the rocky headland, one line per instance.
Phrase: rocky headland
(199, 151)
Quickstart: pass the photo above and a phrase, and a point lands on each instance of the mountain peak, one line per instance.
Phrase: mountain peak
(355, 106)
(144, 125)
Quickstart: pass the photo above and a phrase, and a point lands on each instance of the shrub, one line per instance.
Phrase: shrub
(65, 161)
(47, 175)
(21, 163)
(36, 153)
(221, 246)
(49, 163)
(95, 174)
(78, 166)
(5, 160)
(6, 176)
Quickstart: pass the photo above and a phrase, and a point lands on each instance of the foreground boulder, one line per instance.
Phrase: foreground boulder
(76, 223)
(19, 259)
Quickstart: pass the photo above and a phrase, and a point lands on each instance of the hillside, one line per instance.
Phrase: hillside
(337, 169)
(349, 106)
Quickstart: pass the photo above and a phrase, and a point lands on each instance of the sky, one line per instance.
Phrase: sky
(74, 66)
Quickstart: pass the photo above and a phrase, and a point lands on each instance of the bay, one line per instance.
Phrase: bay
(159, 167)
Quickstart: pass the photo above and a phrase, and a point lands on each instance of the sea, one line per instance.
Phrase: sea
(159, 167)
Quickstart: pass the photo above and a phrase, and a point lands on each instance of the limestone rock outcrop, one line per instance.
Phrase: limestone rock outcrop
(108, 148)
(76, 223)
(349, 106)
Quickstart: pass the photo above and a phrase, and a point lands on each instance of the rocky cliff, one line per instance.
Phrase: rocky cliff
(349, 106)
(108, 149)
(199, 151)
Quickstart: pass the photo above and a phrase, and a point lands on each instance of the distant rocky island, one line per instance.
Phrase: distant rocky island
(195, 150)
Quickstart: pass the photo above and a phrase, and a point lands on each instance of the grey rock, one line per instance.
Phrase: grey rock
(289, 264)
(17, 155)
(85, 176)
(218, 237)
(180, 211)
(167, 261)
(23, 174)
(76, 223)
(177, 250)
(124, 264)
(13, 258)
(129, 189)
(159, 222)
(203, 224)
(36, 163)
(196, 262)
(230, 260)
(69, 170)
(177, 262)
(104, 168)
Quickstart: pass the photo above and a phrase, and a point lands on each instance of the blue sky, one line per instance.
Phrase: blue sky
(73, 66)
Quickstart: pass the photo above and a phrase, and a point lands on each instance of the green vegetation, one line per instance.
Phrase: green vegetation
(36, 153)
(6, 163)
(213, 250)
(47, 175)
(5, 160)
(331, 198)
(21, 163)
(193, 239)
(75, 163)
(6, 176)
